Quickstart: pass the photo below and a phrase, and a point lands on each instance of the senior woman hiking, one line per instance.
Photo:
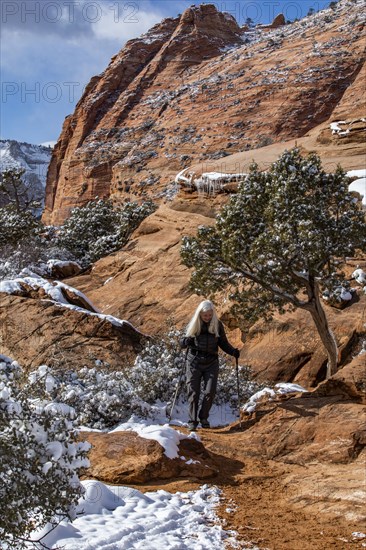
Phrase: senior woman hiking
(204, 335)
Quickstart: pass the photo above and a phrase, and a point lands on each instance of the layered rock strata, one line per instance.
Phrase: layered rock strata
(197, 88)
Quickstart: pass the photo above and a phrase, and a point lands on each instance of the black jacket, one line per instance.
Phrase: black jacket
(207, 344)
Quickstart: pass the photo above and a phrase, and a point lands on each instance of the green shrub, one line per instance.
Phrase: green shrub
(17, 225)
(39, 460)
(98, 229)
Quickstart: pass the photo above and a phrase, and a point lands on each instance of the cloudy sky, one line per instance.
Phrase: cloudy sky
(49, 50)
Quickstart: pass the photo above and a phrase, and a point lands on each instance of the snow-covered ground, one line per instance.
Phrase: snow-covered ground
(122, 518)
(118, 517)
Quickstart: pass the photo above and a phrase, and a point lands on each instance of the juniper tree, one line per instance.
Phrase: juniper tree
(16, 226)
(278, 242)
(97, 229)
(40, 458)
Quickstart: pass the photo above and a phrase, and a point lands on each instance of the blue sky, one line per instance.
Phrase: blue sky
(49, 50)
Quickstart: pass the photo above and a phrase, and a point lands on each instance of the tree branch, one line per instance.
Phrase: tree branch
(272, 288)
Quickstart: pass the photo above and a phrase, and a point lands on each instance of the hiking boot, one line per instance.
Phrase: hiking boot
(192, 426)
(205, 423)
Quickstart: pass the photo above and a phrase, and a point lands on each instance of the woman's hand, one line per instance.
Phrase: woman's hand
(236, 353)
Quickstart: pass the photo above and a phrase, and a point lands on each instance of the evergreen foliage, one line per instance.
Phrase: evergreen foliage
(102, 398)
(16, 225)
(98, 229)
(39, 460)
(278, 239)
(40, 456)
(91, 232)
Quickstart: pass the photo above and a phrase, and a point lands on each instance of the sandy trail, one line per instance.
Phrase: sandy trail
(263, 502)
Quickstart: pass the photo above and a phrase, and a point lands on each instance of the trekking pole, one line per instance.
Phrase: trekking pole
(169, 411)
(238, 387)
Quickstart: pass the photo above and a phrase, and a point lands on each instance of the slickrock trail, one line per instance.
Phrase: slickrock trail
(273, 505)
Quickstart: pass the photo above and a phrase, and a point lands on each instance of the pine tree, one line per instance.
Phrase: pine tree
(278, 242)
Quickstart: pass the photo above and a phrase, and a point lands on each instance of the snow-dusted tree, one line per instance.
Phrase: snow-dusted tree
(39, 460)
(16, 225)
(98, 229)
(277, 242)
(157, 368)
(14, 191)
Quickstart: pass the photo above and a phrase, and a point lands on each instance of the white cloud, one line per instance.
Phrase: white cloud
(41, 61)
(122, 25)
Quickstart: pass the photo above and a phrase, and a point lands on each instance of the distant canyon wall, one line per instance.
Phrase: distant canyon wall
(196, 88)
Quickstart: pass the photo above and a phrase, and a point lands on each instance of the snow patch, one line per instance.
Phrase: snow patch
(167, 437)
(124, 518)
(359, 184)
(270, 394)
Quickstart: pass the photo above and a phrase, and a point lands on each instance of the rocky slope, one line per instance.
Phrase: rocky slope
(146, 284)
(305, 453)
(197, 88)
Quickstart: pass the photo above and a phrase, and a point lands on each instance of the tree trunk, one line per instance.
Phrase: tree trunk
(327, 337)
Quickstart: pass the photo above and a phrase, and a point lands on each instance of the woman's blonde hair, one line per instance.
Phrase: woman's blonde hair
(195, 324)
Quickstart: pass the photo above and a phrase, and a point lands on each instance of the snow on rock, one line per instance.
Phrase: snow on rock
(54, 291)
(336, 128)
(360, 276)
(167, 437)
(250, 405)
(359, 184)
(10, 287)
(269, 394)
(210, 183)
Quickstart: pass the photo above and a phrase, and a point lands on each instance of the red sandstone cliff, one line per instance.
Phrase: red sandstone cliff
(196, 88)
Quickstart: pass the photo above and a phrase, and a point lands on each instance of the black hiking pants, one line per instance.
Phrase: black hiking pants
(205, 373)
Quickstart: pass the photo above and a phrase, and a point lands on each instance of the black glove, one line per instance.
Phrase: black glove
(190, 342)
(236, 353)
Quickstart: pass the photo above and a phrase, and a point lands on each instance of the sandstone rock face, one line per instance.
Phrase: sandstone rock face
(327, 425)
(174, 97)
(349, 382)
(61, 270)
(124, 457)
(36, 331)
(322, 443)
(278, 21)
(289, 349)
(146, 282)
